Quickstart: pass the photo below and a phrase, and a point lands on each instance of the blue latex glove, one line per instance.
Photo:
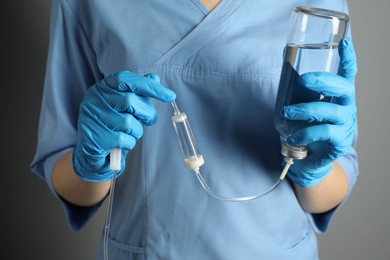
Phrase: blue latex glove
(333, 131)
(111, 116)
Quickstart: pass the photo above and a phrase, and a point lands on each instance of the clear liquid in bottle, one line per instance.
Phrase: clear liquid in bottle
(300, 59)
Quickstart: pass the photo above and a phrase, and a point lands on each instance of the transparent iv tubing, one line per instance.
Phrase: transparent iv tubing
(205, 186)
(108, 217)
(115, 165)
(193, 159)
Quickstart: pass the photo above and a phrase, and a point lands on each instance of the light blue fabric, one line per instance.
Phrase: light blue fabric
(224, 68)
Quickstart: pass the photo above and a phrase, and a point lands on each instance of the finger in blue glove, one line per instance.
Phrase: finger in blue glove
(112, 115)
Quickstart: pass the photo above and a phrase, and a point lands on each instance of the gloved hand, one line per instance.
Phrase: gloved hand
(333, 131)
(111, 116)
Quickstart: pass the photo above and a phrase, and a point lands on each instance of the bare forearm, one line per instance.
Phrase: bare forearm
(73, 189)
(325, 195)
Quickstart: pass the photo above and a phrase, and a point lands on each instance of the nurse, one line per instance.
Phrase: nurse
(114, 66)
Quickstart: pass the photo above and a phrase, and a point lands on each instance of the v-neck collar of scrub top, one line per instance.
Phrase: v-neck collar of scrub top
(212, 25)
(203, 7)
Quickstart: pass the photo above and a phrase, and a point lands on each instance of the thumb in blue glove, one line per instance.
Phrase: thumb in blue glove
(331, 126)
(111, 115)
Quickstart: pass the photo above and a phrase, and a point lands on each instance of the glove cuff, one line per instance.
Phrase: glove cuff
(308, 179)
(104, 174)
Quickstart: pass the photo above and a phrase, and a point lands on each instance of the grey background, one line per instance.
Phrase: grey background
(33, 223)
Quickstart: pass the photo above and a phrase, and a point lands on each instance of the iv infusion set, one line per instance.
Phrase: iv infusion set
(311, 46)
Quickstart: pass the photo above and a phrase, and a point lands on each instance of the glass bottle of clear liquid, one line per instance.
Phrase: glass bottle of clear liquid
(312, 46)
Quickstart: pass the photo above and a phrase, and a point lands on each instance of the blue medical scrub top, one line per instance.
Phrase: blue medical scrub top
(224, 66)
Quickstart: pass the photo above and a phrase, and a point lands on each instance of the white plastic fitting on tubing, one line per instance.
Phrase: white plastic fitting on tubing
(115, 159)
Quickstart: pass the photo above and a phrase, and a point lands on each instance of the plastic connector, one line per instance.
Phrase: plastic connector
(115, 159)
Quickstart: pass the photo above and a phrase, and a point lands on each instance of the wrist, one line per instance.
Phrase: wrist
(70, 187)
(307, 178)
(326, 194)
(93, 170)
